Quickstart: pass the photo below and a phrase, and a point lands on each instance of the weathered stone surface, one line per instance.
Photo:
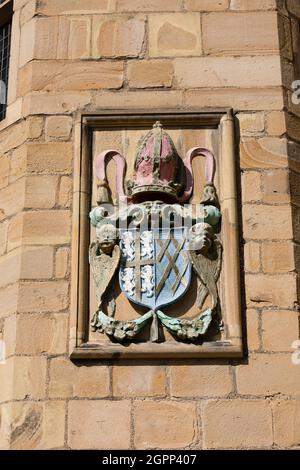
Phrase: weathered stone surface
(246, 423)
(271, 290)
(65, 192)
(118, 37)
(139, 381)
(74, 7)
(99, 424)
(39, 334)
(4, 170)
(3, 236)
(244, 99)
(251, 186)
(252, 4)
(150, 74)
(200, 380)
(58, 127)
(253, 340)
(148, 5)
(276, 187)
(10, 266)
(266, 152)
(57, 76)
(68, 380)
(287, 423)
(54, 157)
(10, 203)
(164, 424)
(278, 257)
(238, 40)
(251, 123)
(55, 102)
(207, 5)
(62, 259)
(39, 227)
(42, 268)
(139, 99)
(40, 192)
(176, 34)
(279, 222)
(279, 330)
(259, 71)
(268, 374)
(46, 296)
(8, 300)
(252, 257)
(29, 377)
(36, 426)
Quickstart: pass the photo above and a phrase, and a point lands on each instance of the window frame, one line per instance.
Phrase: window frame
(6, 14)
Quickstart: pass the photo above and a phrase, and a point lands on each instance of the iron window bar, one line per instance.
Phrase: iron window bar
(5, 42)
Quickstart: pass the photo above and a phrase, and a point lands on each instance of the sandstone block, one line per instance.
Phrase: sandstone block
(77, 76)
(40, 334)
(139, 99)
(10, 267)
(201, 380)
(252, 4)
(279, 222)
(251, 123)
(245, 72)
(266, 152)
(118, 37)
(62, 258)
(65, 192)
(253, 341)
(148, 5)
(46, 296)
(55, 102)
(58, 127)
(40, 192)
(238, 424)
(246, 99)
(99, 424)
(68, 380)
(8, 300)
(252, 257)
(246, 33)
(29, 377)
(287, 423)
(176, 34)
(278, 257)
(267, 290)
(46, 227)
(268, 374)
(164, 424)
(251, 186)
(3, 236)
(74, 7)
(207, 5)
(150, 74)
(139, 381)
(279, 330)
(12, 198)
(276, 187)
(36, 262)
(4, 170)
(54, 157)
(46, 429)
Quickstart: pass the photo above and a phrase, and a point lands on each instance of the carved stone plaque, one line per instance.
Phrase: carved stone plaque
(156, 245)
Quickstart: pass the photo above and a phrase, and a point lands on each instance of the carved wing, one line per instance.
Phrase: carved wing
(103, 268)
(208, 268)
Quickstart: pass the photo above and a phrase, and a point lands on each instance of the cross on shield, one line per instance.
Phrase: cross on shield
(155, 269)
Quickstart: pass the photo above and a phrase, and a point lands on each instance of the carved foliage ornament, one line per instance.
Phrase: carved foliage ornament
(155, 242)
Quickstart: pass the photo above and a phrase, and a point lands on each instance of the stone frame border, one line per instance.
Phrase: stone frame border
(86, 124)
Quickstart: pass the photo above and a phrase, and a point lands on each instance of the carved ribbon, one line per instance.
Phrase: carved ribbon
(209, 170)
(101, 163)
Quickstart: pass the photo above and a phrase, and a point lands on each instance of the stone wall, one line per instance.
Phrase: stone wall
(72, 56)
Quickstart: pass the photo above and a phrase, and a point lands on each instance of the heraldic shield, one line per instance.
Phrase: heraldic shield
(155, 269)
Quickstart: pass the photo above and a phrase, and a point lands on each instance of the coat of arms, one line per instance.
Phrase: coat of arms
(154, 241)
